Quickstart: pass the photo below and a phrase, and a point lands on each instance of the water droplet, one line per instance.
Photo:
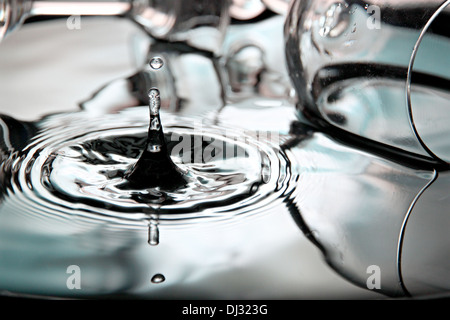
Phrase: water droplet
(156, 63)
(158, 278)
(153, 234)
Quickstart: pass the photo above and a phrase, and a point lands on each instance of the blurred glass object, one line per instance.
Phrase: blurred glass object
(376, 69)
(245, 65)
(199, 23)
(254, 61)
(14, 12)
(179, 82)
(251, 72)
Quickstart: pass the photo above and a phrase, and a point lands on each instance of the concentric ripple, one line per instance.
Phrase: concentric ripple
(76, 164)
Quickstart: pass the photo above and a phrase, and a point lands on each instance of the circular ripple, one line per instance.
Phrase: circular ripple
(76, 164)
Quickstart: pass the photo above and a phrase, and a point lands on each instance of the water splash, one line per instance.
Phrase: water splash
(64, 175)
(100, 168)
(155, 168)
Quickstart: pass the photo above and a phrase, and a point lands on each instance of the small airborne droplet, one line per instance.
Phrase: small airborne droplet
(158, 278)
(156, 63)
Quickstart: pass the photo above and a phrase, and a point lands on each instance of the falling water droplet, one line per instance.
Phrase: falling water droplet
(156, 63)
(158, 278)
(153, 234)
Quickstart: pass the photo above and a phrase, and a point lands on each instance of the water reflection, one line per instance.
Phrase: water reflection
(367, 199)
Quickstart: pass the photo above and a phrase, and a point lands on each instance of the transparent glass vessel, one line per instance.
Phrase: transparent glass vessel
(377, 70)
(199, 23)
(375, 75)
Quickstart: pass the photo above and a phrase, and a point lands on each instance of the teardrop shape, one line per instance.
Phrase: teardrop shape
(154, 168)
